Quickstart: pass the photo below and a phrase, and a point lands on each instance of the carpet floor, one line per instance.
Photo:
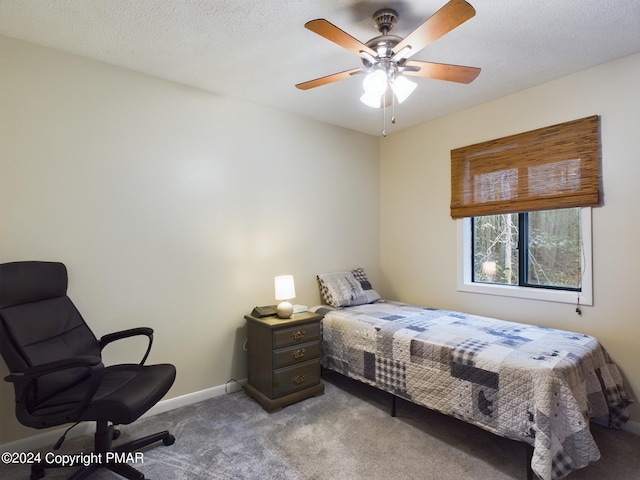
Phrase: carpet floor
(347, 433)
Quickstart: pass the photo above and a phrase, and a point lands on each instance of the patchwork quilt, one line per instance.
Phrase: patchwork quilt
(528, 383)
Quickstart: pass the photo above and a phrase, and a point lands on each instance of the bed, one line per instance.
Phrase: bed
(537, 385)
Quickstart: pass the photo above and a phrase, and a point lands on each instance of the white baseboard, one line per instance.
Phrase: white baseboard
(48, 438)
(232, 386)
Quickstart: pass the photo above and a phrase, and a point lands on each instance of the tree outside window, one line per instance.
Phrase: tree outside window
(533, 249)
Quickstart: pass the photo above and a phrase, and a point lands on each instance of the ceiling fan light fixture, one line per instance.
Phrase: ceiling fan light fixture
(375, 83)
(371, 100)
(403, 87)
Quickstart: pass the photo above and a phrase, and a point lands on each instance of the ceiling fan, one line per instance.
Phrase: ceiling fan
(385, 58)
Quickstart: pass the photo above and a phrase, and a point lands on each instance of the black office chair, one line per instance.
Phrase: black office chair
(57, 371)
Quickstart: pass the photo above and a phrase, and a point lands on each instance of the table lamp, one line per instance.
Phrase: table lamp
(285, 291)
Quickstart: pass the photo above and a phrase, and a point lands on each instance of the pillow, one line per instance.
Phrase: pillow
(345, 289)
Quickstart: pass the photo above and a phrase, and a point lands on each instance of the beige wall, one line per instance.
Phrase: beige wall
(418, 237)
(172, 207)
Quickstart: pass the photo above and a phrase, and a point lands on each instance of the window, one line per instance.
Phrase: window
(543, 255)
(523, 204)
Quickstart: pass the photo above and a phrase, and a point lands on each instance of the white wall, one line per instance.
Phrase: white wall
(171, 207)
(418, 237)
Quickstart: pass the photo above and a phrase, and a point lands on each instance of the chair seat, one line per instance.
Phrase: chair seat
(126, 391)
(124, 394)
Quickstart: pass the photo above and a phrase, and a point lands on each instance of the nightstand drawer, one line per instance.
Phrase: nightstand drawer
(296, 354)
(297, 334)
(296, 377)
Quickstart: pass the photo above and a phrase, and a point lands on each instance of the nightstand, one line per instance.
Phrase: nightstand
(284, 359)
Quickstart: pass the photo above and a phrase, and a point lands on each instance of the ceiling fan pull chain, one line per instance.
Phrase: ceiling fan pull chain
(384, 114)
(393, 109)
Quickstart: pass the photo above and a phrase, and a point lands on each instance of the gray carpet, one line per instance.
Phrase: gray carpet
(345, 434)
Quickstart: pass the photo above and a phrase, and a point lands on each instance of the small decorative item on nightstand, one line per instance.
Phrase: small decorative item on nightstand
(284, 359)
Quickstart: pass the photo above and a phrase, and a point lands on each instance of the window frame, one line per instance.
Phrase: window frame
(465, 281)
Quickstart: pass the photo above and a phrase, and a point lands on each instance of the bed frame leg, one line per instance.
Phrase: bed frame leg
(393, 406)
(529, 458)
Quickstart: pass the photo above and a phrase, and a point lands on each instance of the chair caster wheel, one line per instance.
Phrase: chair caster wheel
(170, 440)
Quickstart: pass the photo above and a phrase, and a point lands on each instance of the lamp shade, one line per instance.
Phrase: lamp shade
(403, 87)
(371, 100)
(285, 287)
(375, 83)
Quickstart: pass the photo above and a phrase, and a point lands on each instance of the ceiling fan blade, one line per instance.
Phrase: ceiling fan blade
(329, 79)
(452, 15)
(442, 71)
(329, 31)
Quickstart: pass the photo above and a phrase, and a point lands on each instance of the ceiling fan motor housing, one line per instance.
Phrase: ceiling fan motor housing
(384, 45)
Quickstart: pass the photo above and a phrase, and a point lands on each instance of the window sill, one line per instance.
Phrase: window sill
(526, 293)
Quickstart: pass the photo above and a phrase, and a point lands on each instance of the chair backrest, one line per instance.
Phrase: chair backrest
(39, 324)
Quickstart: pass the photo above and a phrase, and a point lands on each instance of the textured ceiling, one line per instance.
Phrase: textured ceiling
(257, 50)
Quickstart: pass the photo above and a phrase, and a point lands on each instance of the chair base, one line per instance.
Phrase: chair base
(105, 456)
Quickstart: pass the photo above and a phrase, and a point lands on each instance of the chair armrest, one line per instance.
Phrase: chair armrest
(37, 371)
(25, 382)
(132, 332)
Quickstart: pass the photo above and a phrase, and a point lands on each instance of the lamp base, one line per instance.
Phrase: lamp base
(284, 310)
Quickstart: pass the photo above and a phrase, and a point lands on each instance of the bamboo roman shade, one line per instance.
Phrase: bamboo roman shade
(544, 169)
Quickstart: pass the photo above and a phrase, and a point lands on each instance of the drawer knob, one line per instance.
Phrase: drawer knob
(298, 379)
(298, 335)
(298, 353)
